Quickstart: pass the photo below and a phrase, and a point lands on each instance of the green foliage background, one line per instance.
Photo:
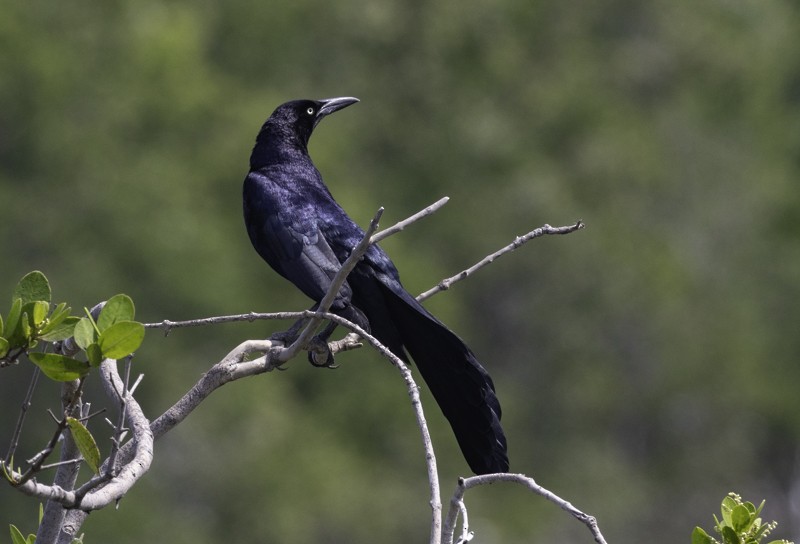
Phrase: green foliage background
(647, 365)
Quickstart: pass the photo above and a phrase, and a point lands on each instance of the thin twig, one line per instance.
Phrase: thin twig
(26, 403)
(221, 374)
(443, 285)
(57, 464)
(35, 463)
(67, 473)
(110, 489)
(519, 241)
(235, 366)
(373, 238)
(168, 325)
(416, 403)
(466, 534)
(119, 429)
(400, 225)
(530, 483)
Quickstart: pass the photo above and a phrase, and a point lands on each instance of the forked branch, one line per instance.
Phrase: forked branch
(132, 459)
(457, 504)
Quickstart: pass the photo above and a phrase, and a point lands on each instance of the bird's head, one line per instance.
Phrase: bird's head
(298, 118)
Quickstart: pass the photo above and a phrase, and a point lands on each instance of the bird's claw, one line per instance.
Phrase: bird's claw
(319, 354)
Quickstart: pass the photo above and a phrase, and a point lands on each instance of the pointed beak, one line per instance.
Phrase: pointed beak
(330, 105)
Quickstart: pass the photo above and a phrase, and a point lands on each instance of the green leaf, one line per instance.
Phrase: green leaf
(4, 347)
(59, 367)
(94, 354)
(729, 536)
(13, 317)
(25, 326)
(85, 333)
(32, 287)
(117, 308)
(85, 442)
(728, 504)
(41, 512)
(16, 536)
(1, 325)
(121, 339)
(699, 536)
(59, 314)
(40, 311)
(59, 330)
(740, 518)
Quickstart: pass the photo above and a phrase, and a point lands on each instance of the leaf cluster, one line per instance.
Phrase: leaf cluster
(32, 318)
(740, 524)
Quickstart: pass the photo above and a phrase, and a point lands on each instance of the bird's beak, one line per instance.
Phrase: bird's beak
(330, 105)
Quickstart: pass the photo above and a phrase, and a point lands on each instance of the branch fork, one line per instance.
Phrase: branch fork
(129, 460)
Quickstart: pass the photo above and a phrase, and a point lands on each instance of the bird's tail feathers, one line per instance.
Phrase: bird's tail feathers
(459, 383)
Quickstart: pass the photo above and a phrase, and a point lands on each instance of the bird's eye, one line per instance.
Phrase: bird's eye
(310, 111)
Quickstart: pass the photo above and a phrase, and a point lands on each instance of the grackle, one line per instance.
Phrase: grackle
(301, 231)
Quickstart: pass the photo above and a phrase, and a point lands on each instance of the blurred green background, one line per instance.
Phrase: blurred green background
(647, 365)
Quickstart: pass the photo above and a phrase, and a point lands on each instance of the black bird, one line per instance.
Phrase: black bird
(301, 231)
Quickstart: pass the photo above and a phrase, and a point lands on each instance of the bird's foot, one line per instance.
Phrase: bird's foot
(319, 354)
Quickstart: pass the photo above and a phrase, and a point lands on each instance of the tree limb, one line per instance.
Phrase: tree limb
(457, 502)
(136, 455)
(400, 225)
(107, 490)
(489, 259)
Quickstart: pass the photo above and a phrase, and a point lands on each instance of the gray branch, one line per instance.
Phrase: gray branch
(457, 504)
(97, 494)
(135, 456)
(489, 259)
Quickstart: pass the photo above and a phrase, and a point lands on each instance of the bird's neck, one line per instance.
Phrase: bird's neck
(274, 145)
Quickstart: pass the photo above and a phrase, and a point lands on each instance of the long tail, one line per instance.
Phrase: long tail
(458, 382)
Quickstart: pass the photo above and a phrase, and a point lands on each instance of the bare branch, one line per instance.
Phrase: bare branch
(70, 399)
(416, 403)
(168, 325)
(71, 525)
(119, 429)
(235, 366)
(232, 367)
(400, 225)
(26, 403)
(118, 485)
(443, 285)
(519, 241)
(346, 268)
(108, 489)
(457, 499)
(66, 474)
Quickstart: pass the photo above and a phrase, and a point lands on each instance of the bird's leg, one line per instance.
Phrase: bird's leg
(319, 354)
(290, 335)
